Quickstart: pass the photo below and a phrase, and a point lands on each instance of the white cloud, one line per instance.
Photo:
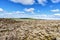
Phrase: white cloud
(31, 10)
(22, 14)
(42, 16)
(45, 16)
(57, 14)
(14, 14)
(42, 2)
(25, 2)
(30, 2)
(55, 1)
(1, 10)
(55, 10)
(18, 12)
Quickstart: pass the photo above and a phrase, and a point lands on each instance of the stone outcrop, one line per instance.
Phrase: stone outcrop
(29, 30)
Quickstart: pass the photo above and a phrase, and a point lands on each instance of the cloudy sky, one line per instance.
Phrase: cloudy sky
(40, 9)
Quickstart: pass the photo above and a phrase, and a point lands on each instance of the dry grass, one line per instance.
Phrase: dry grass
(29, 29)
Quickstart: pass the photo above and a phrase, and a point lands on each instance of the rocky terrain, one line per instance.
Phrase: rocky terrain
(29, 29)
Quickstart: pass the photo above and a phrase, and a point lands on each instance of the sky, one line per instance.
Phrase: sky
(39, 9)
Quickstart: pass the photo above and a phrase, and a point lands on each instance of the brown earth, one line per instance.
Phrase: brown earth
(29, 29)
